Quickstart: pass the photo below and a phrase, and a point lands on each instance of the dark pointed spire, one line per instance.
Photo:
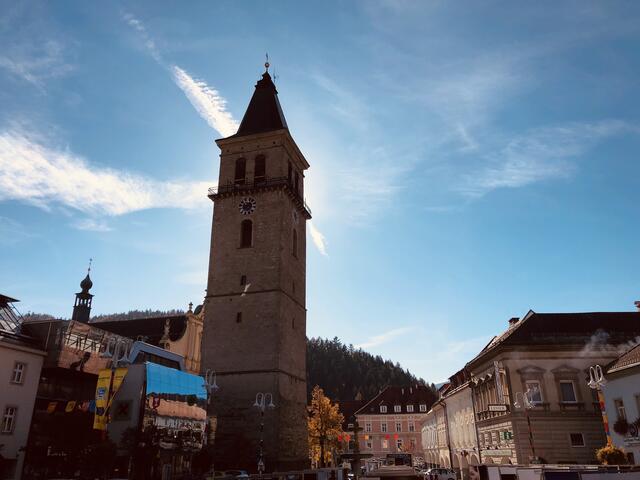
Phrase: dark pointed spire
(264, 113)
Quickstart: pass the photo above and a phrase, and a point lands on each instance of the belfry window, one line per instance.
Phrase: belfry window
(294, 246)
(260, 168)
(241, 171)
(246, 234)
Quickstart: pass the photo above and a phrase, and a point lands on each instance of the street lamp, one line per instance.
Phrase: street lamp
(263, 401)
(596, 382)
(210, 384)
(528, 403)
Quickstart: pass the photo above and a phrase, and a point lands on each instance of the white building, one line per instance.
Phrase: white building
(622, 402)
(20, 364)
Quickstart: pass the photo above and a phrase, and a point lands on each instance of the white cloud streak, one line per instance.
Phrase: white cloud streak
(207, 102)
(92, 225)
(318, 239)
(385, 337)
(35, 173)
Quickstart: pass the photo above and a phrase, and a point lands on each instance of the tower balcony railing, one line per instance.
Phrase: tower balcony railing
(240, 186)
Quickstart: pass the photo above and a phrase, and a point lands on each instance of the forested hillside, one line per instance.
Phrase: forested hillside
(344, 371)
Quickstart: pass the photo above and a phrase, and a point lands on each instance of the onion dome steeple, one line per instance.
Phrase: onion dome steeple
(82, 306)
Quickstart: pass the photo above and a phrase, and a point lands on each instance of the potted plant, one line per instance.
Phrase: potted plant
(611, 455)
(621, 426)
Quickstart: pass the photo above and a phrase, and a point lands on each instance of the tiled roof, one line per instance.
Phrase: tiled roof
(576, 329)
(150, 329)
(415, 395)
(348, 409)
(627, 360)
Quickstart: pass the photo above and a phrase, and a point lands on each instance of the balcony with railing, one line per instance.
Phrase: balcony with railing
(260, 183)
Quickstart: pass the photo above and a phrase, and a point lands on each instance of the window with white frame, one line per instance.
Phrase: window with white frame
(367, 427)
(534, 391)
(398, 426)
(383, 427)
(567, 392)
(619, 404)
(412, 426)
(410, 408)
(397, 408)
(577, 440)
(423, 407)
(17, 376)
(383, 409)
(9, 419)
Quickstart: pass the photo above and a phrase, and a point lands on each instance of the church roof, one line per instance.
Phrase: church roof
(151, 329)
(264, 113)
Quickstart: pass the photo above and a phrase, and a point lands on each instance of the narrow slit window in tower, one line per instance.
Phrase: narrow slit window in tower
(241, 171)
(294, 249)
(246, 234)
(260, 169)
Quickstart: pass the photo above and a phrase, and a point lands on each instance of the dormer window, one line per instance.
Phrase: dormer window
(423, 407)
(397, 408)
(383, 409)
(409, 408)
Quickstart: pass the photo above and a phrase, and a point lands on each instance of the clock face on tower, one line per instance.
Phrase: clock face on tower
(247, 205)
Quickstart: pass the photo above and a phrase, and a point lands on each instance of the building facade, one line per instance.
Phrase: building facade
(20, 364)
(255, 313)
(391, 422)
(531, 399)
(622, 402)
(435, 437)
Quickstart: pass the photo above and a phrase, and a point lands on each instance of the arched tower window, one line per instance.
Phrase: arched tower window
(246, 234)
(260, 169)
(241, 171)
(294, 243)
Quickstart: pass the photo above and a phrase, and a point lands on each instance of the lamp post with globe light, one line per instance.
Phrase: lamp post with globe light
(596, 382)
(527, 403)
(263, 401)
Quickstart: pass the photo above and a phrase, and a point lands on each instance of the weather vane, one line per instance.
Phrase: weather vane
(89, 269)
(266, 64)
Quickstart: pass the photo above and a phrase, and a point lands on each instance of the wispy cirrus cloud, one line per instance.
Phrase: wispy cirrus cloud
(206, 100)
(383, 338)
(35, 62)
(34, 172)
(540, 154)
(92, 225)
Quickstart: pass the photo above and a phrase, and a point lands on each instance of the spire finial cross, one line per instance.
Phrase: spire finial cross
(89, 269)
(266, 64)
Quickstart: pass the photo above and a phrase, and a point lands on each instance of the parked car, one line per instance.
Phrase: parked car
(237, 474)
(440, 474)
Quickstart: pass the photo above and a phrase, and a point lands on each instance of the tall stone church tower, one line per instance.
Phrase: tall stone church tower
(255, 314)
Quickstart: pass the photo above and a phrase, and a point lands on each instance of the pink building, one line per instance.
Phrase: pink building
(391, 422)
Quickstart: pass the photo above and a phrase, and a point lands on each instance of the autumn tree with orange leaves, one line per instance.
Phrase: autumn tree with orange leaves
(325, 426)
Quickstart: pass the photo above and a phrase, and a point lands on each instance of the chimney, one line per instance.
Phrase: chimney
(513, 321)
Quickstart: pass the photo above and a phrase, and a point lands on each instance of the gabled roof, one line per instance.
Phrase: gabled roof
(629, 359)
(576, 329)
(151, 329)
(264, 113)
(412, 395)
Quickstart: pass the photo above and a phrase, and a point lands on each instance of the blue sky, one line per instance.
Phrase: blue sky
(469, 160)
